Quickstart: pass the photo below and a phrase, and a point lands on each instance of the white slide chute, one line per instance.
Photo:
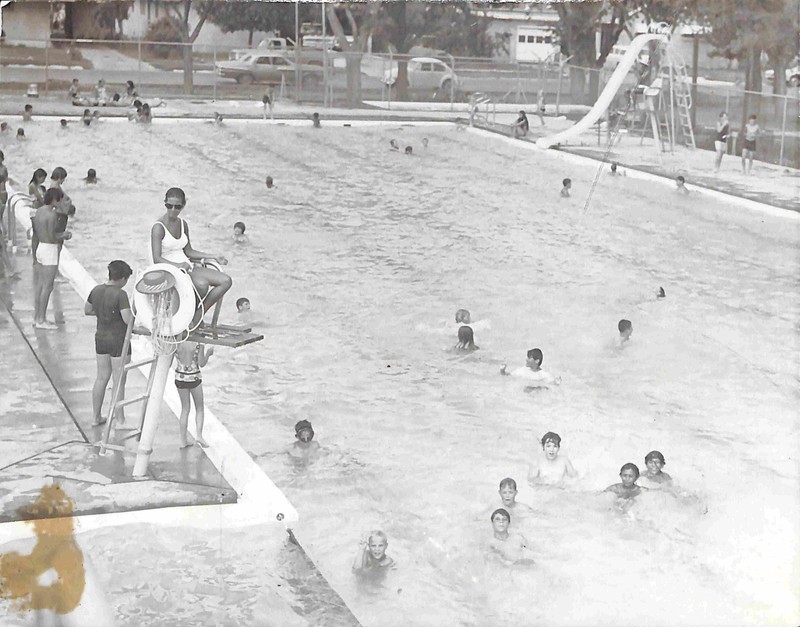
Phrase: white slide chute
(611, 89)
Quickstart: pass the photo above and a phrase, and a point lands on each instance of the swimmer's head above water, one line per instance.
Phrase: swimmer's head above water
(661, 293)
(655, 461)
(303, 431)
(59, 175)
(239, 228)
(508, 491)
(424, 142)
(629, 473)
(393, 143)
(625, 329)
(466, 339)
(270, 184)
(614, 168)
(500, 514)
(63, 123)
(409, 150)
(91, 176)
(534, 359)
(175, 196)
(242, 305)
(462, 316)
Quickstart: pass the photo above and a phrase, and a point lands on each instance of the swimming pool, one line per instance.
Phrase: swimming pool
(358, 260)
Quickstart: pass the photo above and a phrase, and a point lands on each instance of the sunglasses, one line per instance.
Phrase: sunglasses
(171, 206)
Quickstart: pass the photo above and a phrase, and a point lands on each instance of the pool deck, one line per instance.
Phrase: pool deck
(46, 432)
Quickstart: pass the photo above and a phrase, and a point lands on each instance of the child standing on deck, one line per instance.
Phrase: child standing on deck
(189, 358)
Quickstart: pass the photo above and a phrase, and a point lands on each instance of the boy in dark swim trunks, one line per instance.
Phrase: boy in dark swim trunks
(109, 303)
(268, 101)
(751, 131)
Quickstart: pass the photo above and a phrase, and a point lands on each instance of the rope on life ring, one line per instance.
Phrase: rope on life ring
(181, 307)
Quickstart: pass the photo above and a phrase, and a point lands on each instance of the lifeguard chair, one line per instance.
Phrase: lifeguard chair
(164, 306)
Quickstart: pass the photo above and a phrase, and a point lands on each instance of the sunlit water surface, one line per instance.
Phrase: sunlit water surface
(357, 262)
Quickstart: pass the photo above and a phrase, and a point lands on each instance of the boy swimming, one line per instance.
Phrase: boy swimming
(508, 498)
(409, 150)
(628, 489)
(625, 328)
(270, 184)
(238, 233)
(509, 548)
(304, 445)
(242, 305)
(462, 316)
(680, 185)
(567, 185)
(655, 461)
(466, 341)
(532, 371)
(551, 468)
(371, 555)
(91, 177)
(27, 114)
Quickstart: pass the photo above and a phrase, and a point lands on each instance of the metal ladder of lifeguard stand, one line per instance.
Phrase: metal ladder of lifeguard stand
(116, 403)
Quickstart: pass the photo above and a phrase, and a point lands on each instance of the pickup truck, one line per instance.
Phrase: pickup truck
(269, 67)
(271, 44)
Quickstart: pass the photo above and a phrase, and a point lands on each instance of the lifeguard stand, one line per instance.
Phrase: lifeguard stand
(668, 102)
(232, 336)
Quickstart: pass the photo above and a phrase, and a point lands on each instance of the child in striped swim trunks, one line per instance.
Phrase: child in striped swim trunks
(189, 358)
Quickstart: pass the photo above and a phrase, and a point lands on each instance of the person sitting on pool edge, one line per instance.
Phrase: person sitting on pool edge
(304, 446)
(371, 555)
(532, 370)
(628, 489)
(567, 185)
(521, 126)
(551, 468)
(655, 461)
(170, 243)
(510, 548)
(238, 233)
(466, 340)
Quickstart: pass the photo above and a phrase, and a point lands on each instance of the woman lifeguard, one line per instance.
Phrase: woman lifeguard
(170, 243)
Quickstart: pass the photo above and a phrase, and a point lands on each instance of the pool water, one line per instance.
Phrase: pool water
(357, 262)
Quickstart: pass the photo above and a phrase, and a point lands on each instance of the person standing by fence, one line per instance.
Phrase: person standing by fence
(721, 139)
(751, 131)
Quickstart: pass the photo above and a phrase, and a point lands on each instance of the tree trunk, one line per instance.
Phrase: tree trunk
(188, 69)
(401, 82)
(577, 83)
(353, 69)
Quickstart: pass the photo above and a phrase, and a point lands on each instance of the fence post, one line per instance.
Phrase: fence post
(783, 125)
(389, 87)
(139, 60)
(727, 100)
(215, 72)
(558, 89)
(46, 66)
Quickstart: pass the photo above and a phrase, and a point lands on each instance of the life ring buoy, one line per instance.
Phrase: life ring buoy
(182, 314)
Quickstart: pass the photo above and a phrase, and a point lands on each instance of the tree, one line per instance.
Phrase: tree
(109, 16)
(182, 12)
(744, 29)
(260, 16)
(577, 27)
(456, 27)
(352, 51)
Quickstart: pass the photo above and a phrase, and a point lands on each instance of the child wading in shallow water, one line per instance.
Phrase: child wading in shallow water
(628, 489)
(189, 358)
(305, 445)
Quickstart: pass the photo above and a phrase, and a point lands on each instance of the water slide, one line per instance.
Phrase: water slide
(611, 89)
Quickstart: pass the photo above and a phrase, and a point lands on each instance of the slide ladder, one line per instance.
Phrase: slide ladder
(476, 101)
(683, 96)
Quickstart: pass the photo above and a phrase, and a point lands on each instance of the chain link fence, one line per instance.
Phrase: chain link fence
(322, 77)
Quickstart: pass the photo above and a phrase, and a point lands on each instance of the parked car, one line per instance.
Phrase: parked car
(270, 44)
(426, 73)
(268, 67)
(792, 75)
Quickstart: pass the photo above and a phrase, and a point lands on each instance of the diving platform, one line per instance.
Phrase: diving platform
(231, 336)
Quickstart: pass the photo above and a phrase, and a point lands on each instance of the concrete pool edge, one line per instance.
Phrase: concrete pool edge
(636, 173)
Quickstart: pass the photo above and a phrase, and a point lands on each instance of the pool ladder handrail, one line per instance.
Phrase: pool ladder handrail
(475, 101)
